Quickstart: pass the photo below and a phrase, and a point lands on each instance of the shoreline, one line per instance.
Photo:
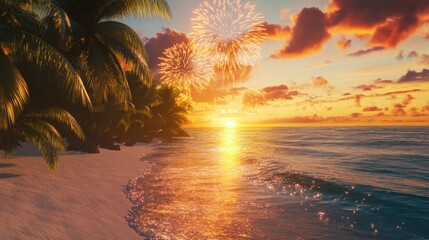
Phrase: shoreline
(82, 199)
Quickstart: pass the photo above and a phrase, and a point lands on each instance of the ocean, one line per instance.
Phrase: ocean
(285, 183)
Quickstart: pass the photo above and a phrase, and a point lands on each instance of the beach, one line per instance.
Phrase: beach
(83, 199)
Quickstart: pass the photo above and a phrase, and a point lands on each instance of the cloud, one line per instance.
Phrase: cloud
(407, 100)
(355, 115)
(276, 31)
(300, 119)
(155, 46)
(372, 109)
(366, 51)
(415, 113)
(424, 59)
(396, 93)
(321, 82)
(425, 108)
(253, 98)
(357, 100)
(308, 34)
(280, 92)
(398, 110)
(344, 43)
(382, 81)
(413, 76)
(413, 54)
(385, 23)
(365, 87)
(388, 21)
(313, 119)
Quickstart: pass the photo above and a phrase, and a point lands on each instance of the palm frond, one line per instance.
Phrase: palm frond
(45, 136)
(141, 8)
(106, 78)
(124, 42)
(22, 43)
(62, 117)
(13, 92)
(58, 28)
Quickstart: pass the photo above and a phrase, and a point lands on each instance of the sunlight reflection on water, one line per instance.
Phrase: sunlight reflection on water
(311, 183)
(192, 200)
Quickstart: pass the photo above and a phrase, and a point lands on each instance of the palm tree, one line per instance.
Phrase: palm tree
(96, 46)
(133, 125)
(41, 127)
(21, 37)
(26, 60)
(170, 114)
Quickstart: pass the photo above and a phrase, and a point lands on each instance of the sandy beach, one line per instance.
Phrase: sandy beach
(81, 200)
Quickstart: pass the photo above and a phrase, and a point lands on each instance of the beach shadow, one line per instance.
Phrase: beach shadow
(5, 165)
(9, 175)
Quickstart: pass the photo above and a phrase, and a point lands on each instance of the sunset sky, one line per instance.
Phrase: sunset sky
(324, 62)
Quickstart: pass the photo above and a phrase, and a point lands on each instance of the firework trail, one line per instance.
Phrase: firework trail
(231, 30)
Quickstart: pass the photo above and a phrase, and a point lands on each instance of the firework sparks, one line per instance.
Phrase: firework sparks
(232, 30)
(185, 67)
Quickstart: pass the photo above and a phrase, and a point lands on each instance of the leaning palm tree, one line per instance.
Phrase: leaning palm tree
(26, 60)
(97, 46)
(41, 127)
(21, 36)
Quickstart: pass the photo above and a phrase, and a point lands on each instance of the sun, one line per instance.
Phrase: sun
(231, 124)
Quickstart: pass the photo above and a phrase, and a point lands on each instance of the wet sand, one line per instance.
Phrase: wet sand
(83, 199)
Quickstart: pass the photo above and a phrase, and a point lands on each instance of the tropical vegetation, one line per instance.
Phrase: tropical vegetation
(70, 70)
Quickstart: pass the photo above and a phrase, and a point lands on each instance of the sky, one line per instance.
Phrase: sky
(324, 62)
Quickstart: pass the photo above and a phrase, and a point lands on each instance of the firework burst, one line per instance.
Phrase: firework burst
(185, 67)
(232, 30)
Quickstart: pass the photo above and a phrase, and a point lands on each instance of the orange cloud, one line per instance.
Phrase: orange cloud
(253, 98)
(308, 34)
(344, 43)
(415, 113)
(357, 100)
(398, 110)
(425, 108)
(390, 21)
(365, 87)
(413, 76)
(280, 92)
(320, 82)
(366, 51)
(372, 109)
(355, 115)
(407, 100)
(424, 59)
(276, 31)
(385, 22)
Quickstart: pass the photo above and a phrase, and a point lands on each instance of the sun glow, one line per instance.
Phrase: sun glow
(231, 124)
